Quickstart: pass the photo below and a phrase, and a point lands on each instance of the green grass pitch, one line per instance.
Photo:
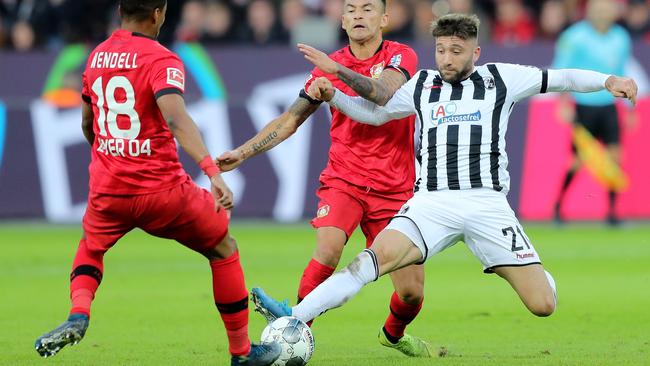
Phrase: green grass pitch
(155, 305)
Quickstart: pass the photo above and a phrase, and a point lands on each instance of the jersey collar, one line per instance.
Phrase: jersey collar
(381, 45)
(138, 34)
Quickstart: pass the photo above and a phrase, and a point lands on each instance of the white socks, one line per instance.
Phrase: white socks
(339, 288)
(551, 281)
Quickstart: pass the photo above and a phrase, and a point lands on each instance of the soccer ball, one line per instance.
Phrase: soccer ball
(295, 338)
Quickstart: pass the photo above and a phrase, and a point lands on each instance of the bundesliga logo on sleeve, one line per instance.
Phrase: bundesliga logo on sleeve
(395, 61)
(175, 77)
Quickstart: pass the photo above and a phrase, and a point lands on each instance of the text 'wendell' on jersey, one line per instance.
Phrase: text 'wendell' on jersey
(114, 60)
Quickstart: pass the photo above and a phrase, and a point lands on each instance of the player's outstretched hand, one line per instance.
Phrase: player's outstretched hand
(321, 89)
(318, 58)
(229, 160)
(222, 194)
(622, 87)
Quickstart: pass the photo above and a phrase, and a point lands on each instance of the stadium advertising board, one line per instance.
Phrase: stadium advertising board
(232, 93)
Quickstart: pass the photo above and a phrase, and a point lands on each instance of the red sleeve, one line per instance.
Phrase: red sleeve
(405, 60)
(167, 76)
(85, 90)
(315, 73)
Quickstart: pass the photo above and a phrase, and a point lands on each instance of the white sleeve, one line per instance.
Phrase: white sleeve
(522, 81)
(576, 80)
(360, 110)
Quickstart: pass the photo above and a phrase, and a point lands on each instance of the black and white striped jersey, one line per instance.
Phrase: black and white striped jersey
(463, 125)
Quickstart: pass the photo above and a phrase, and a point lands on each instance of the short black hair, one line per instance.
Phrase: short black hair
(383, 3)
(463, 26)
(139, 9)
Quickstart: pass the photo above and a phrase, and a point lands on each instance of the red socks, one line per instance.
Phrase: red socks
(401, 314)
(87, 272)
(314, 275)
(231, 298)
(229, 289)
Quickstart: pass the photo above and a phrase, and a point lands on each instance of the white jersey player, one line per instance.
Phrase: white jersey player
(462, 111)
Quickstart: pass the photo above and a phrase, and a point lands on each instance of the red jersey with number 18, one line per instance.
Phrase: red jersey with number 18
(134, 151)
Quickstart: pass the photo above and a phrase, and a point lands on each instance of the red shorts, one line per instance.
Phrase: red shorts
(185, 213)
(346, 206)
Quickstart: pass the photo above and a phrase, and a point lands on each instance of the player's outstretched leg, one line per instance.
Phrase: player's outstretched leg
(70, 332)
(260, 355)
(390, 251)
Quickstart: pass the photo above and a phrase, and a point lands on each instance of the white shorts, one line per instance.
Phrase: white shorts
(481, 217)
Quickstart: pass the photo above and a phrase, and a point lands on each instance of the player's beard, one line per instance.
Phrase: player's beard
(457, 76)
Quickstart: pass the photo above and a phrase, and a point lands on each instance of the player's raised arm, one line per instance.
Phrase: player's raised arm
(378, 91)
(524, 81)
(360, 109)
(272, 134)
(172, 107)
(589, 81)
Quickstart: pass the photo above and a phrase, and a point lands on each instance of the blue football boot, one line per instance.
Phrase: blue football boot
(269, 307)
(260, 355)
(70, 332)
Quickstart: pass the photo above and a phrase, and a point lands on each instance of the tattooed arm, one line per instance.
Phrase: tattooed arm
(378, 91)
(271, 135)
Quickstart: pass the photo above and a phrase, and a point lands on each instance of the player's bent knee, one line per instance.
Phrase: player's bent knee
(328, 254)
(223, 249)
(545, 307)
(411, 295)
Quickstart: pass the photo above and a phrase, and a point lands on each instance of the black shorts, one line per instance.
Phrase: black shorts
(600, 121)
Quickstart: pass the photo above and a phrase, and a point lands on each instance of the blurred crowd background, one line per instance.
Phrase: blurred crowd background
(49, 24)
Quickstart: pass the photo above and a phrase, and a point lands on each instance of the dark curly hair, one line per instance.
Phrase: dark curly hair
(463, 26)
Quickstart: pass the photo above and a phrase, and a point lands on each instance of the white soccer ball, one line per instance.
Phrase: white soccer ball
(295, 338)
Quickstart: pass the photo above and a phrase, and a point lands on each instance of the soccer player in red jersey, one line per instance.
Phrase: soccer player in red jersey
(133, 93)
(368, 176)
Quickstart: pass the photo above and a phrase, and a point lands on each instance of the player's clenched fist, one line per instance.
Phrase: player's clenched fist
(321, 89)
(230, 160)
(222, 194)
(622, 87)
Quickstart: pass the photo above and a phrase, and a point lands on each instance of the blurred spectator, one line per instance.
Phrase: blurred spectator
(49, 23)
(218, 27)
(422, 18)
(3, 32)
(85, 20)
(292, 12)
(512, 25)
(400, 22)
(553, 19)
(333, 11)
(34, 20)
(191, 23)
(263, 27)
(443, 7)
(22, 36)
(637, 19)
